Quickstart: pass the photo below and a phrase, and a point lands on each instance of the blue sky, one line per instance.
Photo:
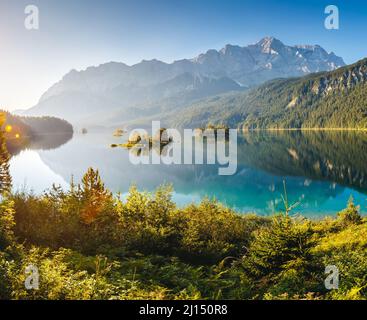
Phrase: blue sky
(75, 34)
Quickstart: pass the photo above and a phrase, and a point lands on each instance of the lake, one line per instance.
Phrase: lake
(321, 169)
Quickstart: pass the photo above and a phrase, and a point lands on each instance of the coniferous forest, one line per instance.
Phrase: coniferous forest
(330, 100)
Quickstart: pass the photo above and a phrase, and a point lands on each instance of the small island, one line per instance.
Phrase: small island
(212, 127)
(136, 140)
(119, 132)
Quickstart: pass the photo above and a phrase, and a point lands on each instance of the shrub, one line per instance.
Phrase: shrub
(280, 255)
(350, 215)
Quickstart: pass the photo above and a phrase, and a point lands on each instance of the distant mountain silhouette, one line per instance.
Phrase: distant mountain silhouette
(115, 92)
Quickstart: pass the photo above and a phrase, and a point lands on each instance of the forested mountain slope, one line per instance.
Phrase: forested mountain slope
(335, 99)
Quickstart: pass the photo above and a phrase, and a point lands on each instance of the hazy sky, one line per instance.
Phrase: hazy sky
(75, 34)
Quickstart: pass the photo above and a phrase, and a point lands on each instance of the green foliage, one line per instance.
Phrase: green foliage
(149, 221)
(280, 255)
(6, 223)
(5, 178)
(350, 215)
(89, 244)
(213, 232)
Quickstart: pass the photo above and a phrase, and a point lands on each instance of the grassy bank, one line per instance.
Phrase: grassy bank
(88, 244)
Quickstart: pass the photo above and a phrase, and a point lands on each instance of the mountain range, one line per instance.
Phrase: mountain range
(115, 93)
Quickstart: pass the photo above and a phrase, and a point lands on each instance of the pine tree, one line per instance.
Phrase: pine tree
(5, 178)
(94, 195)
(6, 206)
(277, 247)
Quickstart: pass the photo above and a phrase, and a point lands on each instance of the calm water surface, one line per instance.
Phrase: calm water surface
(322, 170)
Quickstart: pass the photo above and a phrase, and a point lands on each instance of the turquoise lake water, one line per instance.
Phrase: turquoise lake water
(321, 169)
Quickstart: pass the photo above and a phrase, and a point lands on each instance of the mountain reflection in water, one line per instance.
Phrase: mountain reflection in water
(321, 169)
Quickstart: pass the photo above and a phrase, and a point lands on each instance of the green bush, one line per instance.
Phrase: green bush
(350, 215)
(89, 244)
